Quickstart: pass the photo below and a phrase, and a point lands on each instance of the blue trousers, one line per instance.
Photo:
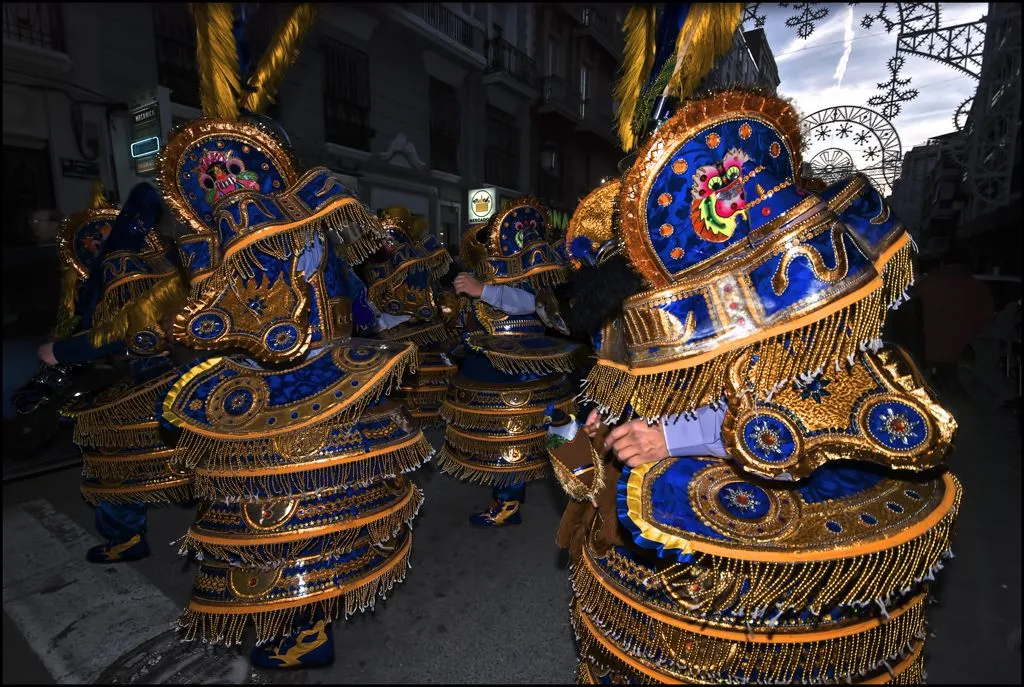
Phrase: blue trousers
(512, 492)
(119, 522)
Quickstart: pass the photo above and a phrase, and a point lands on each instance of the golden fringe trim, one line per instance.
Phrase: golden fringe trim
(211, 484)
(819, 345)
(228, 628)
(279, 56)
(527, 442)
(898, 277)
(118, 296)
(174, 493)
(107, 425)
(706, 656)
(511, 364)
(574, 488)
(225, 453)
(168, 296)
(451, 463)
(547, 278)
(270, 554)
(424, 337)
(468, 419)
(875, 579)
(133, 437)
(437, 264)
(119, 466)
(217, 59)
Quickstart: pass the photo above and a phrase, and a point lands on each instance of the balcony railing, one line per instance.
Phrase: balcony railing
(555, 93)
(502, 56)
(450, 24)
(35, 23)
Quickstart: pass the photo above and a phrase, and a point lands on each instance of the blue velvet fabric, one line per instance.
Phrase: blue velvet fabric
(673, 16)
(118, 522)
(670, 504)
(697, 204)
(477, 368)
(511, 492)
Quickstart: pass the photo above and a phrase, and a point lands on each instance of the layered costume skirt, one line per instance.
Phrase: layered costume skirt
(304, 504)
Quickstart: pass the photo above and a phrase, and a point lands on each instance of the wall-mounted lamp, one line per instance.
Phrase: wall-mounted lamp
(549, 157)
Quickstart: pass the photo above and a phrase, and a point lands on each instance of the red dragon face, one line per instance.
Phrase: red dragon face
(722, 183)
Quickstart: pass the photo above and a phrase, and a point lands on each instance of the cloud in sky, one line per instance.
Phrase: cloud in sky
(847, 47)
(860, 58)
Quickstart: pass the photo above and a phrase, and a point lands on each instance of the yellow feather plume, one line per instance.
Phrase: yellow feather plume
(280, 55)
(706, 35)
(217, 59)
(99, 199)
(638, 58)
(168, 296)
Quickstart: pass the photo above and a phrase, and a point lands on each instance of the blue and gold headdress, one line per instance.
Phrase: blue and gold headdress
(517, 252)
(252, 214)
(79, 242)
(736, 254)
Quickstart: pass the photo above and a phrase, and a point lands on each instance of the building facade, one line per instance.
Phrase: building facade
(739, 68)
(479, 95)
(579, 50)
(909, 197)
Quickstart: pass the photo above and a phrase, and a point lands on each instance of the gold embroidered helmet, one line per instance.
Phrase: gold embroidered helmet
(260, 228)
(516, 249)
(757, 289)
(79, 242)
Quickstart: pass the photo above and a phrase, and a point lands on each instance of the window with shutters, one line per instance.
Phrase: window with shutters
(346, 74)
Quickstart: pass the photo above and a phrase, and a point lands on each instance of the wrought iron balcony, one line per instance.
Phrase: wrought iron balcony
(35, 23)
(503, 57)
(451, 24)
(557, 96)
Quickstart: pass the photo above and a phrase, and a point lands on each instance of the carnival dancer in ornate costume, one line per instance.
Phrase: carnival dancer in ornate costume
(79, 241)
(512, 371)
(402, 281)
(133, 281)
(298, 453)
(781, 503)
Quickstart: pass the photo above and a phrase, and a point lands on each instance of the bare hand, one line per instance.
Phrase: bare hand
(593, 423)
(636, 443)
(46, 353)
(468, 284)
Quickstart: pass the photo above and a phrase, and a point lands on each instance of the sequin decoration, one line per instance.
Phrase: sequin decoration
(769, 439)
(207, 326)
(896, 425)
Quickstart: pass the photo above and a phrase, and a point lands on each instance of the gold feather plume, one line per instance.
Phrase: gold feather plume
(280, 55)
(98, 201)
(707, 34)
(168, 296)
(638, 58)
(217, 59)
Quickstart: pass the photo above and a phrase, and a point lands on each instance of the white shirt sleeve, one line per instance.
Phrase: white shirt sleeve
(695, 434)
(509, 300)
(385, 321)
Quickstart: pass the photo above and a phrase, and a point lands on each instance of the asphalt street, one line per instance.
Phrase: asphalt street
(478, 606)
